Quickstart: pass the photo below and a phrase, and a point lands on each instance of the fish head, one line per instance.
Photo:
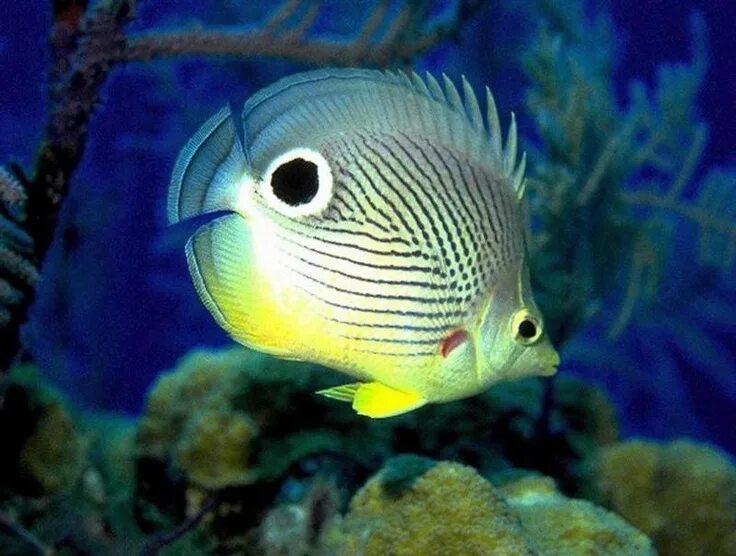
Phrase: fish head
(510, 338)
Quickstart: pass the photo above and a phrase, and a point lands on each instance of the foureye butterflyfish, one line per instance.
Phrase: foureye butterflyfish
(373, 225)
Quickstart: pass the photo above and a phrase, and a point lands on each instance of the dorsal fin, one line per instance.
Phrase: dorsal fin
(308, 108)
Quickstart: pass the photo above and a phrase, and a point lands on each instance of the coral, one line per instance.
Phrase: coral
(234, 424)
(53, 455)
(499, 430)
(80, 49)
(18, 274)
(43, 450)
(268, 420)
(67, 483)
(294, 529)
(215, 448)
(682, 494)
(448, 506)
(284, 34)
(417, 506)
(213, 406)
(562, 526)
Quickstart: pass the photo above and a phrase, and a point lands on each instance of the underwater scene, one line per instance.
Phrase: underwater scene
(377, 277)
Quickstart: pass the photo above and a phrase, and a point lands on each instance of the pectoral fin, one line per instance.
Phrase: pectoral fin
(374, 399)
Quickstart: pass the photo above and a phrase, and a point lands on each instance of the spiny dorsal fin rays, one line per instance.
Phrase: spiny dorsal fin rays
(505, 156)
(471, 105)
(420, 84)
(453, 97)
(494, 127)
(509, 153)
(454, 100)
(435, 88)
(519, 180)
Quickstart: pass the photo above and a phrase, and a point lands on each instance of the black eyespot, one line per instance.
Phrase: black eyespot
(527, 329)
(295, 182)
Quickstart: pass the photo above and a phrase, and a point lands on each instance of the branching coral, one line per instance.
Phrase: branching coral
(18, 272)
(87, 42)
(607, 173)
(285, 34)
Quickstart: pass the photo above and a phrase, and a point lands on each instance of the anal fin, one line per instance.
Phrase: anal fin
(374, 399)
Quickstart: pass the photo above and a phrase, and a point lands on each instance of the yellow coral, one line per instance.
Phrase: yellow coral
(448, 510)
(198, 384)
(54, 455)
(560, 526)
(189, 419)
(215, 449)
(683, 494)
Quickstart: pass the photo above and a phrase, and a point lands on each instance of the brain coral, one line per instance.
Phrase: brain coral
(448, 507)
(190, 421)
(683, 495)
(561, 526)
(418, 506)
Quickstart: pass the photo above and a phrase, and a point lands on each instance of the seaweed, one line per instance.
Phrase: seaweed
(88, 41)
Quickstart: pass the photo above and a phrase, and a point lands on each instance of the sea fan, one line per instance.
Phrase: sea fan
(716, 214)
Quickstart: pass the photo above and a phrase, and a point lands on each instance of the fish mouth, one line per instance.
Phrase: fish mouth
(551, 368)
(550, 371)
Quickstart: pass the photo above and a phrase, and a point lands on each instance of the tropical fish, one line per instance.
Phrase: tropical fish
(373, 226)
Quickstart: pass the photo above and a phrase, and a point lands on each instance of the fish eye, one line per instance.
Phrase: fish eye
(526, 328)
(298, 183)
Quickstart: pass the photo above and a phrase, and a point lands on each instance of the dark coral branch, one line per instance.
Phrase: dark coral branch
(158, 542)
(81, 46)
(73, 103)
(408, 35)
(14, 530)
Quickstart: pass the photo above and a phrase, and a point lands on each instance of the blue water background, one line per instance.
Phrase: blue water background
(116, 304)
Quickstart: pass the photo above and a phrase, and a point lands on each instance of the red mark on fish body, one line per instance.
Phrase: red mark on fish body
(452, 341)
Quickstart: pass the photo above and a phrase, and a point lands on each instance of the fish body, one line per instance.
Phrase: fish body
(374, 226)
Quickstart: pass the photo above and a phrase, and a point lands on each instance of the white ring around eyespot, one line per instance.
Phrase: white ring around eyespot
(324, 184)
